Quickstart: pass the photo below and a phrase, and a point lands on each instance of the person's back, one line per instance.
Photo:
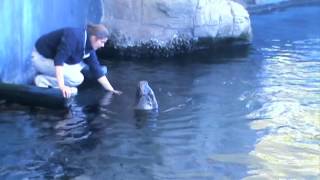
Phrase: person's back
(48, 45)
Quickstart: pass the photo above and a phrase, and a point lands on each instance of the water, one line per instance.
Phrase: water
(254, 116)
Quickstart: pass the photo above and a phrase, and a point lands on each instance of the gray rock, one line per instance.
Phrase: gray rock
(163, 26)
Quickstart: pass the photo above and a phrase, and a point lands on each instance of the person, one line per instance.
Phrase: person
(59, 57)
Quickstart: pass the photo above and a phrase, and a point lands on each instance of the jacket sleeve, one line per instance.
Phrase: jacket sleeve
(94, 65)
(65, 47)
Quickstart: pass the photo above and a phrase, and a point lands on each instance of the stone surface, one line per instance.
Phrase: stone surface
(168, 25)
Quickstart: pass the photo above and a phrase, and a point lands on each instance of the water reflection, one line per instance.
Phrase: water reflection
(146, 119)
(284, 107)
(48, 139)
(290, 95)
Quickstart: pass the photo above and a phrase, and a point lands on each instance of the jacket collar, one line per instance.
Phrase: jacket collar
(88, 47)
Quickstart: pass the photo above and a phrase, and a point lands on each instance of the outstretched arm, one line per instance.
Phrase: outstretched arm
(103, 80)
(65, 47)
(60, 78)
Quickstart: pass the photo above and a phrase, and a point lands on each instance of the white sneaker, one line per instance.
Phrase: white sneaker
(74, 91)
(48, 81)
(41, 81)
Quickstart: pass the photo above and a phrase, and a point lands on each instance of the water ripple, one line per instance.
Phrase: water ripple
(290, 94)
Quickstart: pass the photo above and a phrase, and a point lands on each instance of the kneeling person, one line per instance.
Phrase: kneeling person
(59, 57)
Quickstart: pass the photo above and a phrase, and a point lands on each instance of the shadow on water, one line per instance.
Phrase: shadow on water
(146, 119)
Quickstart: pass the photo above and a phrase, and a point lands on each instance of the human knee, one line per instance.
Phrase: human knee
(74, 80)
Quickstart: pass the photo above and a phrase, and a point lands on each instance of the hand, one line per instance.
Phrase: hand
(66, 91)
(117, 92)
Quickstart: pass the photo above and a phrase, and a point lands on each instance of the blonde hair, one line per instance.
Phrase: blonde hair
(98, 30)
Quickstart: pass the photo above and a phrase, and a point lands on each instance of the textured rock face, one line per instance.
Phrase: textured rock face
(170, 25)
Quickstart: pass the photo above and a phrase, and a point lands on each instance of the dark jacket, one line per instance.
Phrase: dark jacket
(67, 46)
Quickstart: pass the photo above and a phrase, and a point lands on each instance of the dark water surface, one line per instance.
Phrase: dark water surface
(254, 116)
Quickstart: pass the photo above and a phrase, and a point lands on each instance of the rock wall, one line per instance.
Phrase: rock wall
(165, 26)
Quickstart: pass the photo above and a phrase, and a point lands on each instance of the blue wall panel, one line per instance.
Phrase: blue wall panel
(23, 21)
